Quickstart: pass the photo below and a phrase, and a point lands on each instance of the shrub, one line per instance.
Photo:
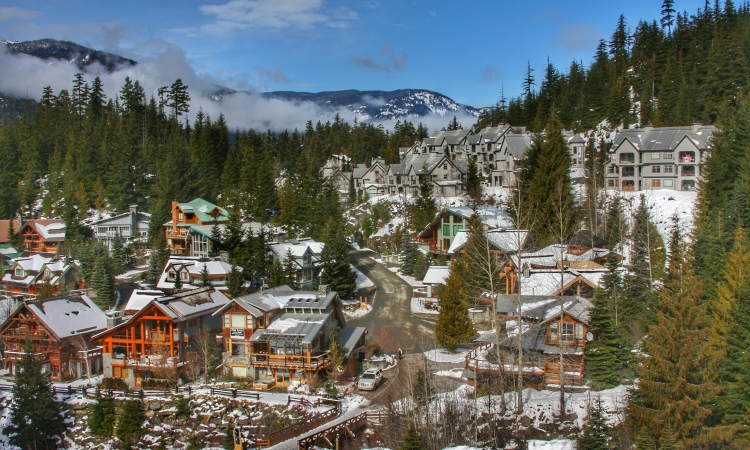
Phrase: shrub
(117, 384)
(130, 427)
(182, 407)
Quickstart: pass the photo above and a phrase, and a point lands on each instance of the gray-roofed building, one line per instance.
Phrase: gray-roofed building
(280, 335)
(547, 324)
(131, 227)
(439, 234)
(156, 342)
(60, 331)
(659, 158)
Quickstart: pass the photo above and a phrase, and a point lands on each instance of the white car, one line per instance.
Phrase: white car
(370, 380)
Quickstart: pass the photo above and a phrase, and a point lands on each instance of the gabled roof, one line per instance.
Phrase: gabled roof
(577, 139)
(141, 217)
(258, 302)
(543, 308)
(349, 337)
(140, 298)
(518, 144)
(194, 266)
(503, 240)
(664, 138)
(436, 275)
(69, 316)
(305, 327)
(203, 210)
(491, 216)
(51, 230)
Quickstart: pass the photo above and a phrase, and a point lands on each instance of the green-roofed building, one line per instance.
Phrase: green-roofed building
(197, 212)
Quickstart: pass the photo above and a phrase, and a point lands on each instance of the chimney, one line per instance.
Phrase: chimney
(697, 126)
(133, 209)
(323, 290)
(113, 318)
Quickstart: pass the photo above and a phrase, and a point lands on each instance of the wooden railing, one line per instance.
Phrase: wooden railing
(179, 233)
(291, 361)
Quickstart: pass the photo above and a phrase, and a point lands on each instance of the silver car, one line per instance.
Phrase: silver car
(370, 380)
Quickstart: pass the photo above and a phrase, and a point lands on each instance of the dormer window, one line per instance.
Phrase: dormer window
(47, 273)
(171, 275)
(179, 217)
(19, 272)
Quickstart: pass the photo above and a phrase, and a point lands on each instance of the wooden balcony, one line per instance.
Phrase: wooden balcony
(573, 373)
(177, 233)
(294, 362)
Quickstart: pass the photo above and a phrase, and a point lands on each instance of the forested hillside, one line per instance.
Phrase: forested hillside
(682, 68)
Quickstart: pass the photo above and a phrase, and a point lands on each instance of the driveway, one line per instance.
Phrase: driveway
(391, 322)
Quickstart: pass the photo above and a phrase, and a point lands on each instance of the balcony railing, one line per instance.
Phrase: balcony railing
(179, 233)
(315, 361)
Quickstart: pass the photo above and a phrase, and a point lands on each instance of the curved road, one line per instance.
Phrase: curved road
(391, 321)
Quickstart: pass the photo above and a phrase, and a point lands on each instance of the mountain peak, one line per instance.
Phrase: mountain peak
(69, 52)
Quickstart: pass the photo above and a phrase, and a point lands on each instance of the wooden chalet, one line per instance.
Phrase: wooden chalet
(155, 341)
(28, 274)
(281, 336)
(543, 337)
(440, 234)
(43, 235)
(60, 331)
(185, 215)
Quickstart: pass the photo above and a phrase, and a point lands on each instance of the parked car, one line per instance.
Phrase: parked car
(370, 380)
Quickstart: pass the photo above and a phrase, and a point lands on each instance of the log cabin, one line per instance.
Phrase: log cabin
(60, 331)
(28, 274)
(543, 337)
(43, 235)
(155, 342)
(194, 213)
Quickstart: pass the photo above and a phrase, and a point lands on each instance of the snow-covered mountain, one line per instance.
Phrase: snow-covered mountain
(69, 52)
(381, 105)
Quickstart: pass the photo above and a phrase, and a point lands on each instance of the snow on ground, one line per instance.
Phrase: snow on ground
(359, 312)
(417, 305)
(663, 204)
(409, 279)
(442, 355)
(362, 280)
(130, 274)
(451, 373)
(557, 444)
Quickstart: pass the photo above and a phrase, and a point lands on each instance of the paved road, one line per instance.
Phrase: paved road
(391, 322)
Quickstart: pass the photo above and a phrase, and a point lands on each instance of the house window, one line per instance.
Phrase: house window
(579, 331)
(668, 183)
(445, 176)
(446, 230)
(47, 273)
(19, 272)
(183, 275)
(171, 275)
(656, 155)
(627, 158)
(237, 321)
(612, 169)
(655, 169)
(456, 228)
(179, 217)
(655, 183)
(446, 244)
(611, 183)
(628, 171)
(668, 169)
(568, 332)
(667, 155)
(445, 166)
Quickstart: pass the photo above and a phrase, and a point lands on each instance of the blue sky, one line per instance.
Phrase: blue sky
(468, 51)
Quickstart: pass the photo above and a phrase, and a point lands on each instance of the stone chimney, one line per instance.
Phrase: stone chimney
(113, 318)
(323, 290)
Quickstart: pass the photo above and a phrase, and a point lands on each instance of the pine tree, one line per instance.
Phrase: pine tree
(118, 255)
(227, 440)
(424, 210)
(605, 356)
(453, 326)
(334, 260)
(102, 414)
(644, 441)
(473, 181)
(177, 281)
(36, 420)
(178, 99)
(235, 282)
(205, 278)
(276, 274)
(290, 271)
(677, 373)
(102, 283)
(153, 274)
(130, 425)
(596, 433)
(412, 440)
(409, 252)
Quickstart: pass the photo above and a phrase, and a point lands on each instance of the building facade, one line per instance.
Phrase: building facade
(131, 227)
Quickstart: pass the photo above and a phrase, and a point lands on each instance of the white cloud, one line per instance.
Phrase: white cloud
(12, 13)
(243, 14)
(391, 63)
(578, 36)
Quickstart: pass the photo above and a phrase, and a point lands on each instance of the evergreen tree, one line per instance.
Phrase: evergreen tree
(409, 254)
(644, 441)
(36, 420)
(217, 238)
(453, 326)
(334, 260)
(235, 282)
(102, 283)
(130, 425)
(290, 271)
(605, 356)
(412, 440)
(102, 414)
(155, 268)
(177, 281)
(276, 274)
(118, 255)
(205, 278)
(178, 99)
(227, 440)
(677, 373)
(352, 191)
(424, 209)
(596, 433)
(473, 181)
